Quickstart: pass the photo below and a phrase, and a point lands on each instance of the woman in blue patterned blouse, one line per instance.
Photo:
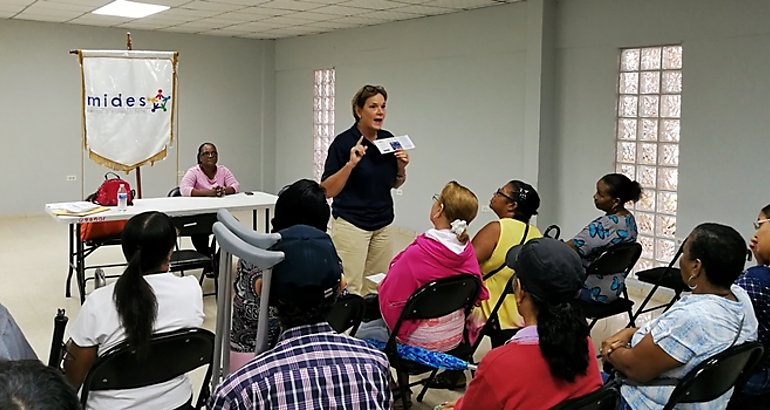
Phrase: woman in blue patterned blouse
(616, 226)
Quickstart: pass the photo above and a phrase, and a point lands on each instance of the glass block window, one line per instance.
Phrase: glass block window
(647, 143)
(323, 118)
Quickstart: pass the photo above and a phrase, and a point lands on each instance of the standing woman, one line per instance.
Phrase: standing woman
(147, 299)
(617, 225)
(360, 178)
(207, 179)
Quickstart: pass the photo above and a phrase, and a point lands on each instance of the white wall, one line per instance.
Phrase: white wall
(725, 102)
(226, 92)
(524, 90)
(456, 83)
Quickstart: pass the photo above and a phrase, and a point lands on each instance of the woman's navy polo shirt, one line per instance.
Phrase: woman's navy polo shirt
(365, 201)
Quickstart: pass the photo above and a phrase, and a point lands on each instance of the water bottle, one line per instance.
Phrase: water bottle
(100, 279)
(122, 198)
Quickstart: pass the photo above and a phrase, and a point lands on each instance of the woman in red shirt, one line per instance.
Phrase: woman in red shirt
(552, 358)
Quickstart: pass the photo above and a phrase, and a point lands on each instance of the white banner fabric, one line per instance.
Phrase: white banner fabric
(128, 106)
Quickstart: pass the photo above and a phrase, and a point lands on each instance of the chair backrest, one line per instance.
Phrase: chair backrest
(553, 231)
(194, 224)
(606, 398)
(174, 192)
(616, 259)
(716, 375)
(347, 313)
(56, 354)
(493, 322)
(170, 355)
(438, 298)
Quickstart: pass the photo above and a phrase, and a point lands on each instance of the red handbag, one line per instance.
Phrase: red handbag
(107, 194)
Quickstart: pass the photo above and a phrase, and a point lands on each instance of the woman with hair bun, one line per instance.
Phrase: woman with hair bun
(145, 300)
(617, 225)
(443, 251)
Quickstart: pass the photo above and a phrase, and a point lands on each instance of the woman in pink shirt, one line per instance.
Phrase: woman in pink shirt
(207, 179)
(443, 251)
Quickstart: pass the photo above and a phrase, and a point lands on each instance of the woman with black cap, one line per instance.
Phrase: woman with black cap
(552, 358)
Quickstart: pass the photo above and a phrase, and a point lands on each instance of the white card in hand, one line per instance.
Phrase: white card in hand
(376, 278)
(388, 145)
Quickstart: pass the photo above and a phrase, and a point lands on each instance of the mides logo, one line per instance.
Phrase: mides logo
(123, 102)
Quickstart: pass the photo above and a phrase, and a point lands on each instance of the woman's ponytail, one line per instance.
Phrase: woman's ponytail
(136, 303)
(147, 241)
(563, 334)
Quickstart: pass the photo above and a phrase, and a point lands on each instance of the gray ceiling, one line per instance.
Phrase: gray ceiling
(258, 19)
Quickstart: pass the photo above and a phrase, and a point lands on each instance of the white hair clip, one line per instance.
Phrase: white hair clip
(459, 226)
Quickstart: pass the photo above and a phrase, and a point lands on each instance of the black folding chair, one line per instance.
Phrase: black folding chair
(606, 398)
(347, 313)
(187, 259)
(742, 401)
(665, 277)
(56, 354)
(553, 231)
(716, 375)
(620, 258)
(435, 299)
(170, 355)
(492, 328)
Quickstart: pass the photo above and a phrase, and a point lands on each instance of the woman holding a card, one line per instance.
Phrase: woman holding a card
(359, 177)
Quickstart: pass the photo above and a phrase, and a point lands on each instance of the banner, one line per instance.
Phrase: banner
(128, 100)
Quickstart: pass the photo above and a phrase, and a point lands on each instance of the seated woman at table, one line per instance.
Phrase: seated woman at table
(207, 179)
(145, 300)
(552, 358)
(617, 225)
(756, 281)
(303, 202)
(716, 316)
(443, 251)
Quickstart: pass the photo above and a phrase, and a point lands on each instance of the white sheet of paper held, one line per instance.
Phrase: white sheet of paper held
(376, 278)
(388, 145)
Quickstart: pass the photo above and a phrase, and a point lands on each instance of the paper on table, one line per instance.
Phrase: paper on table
(376, 278)
(80, 208)
(388, 145)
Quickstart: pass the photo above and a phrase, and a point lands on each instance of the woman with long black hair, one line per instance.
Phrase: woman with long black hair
(552, 358)
(146, 299)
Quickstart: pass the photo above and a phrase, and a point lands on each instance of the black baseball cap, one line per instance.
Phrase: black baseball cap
(311, 270)
(547, 268)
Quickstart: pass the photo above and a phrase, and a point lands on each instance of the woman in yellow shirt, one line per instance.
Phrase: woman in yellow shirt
(514, 204)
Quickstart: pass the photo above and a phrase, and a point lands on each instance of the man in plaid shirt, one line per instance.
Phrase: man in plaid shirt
(312, 366)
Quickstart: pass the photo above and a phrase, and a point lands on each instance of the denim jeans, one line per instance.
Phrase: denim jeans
(622, 404)
(376, 329)
(758, 383)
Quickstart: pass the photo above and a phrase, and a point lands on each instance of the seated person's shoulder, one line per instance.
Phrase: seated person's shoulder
(511, 355)
(361, 346)
(757, 274)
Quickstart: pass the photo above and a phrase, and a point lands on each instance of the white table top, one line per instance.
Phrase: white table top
(174, 206)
